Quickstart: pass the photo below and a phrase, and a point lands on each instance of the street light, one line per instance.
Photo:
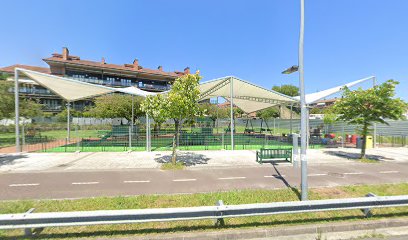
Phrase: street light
(303, 107)
(290, 70)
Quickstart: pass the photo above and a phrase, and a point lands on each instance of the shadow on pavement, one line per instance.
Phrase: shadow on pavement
(278, 175)
(356, 155)
(7, 159)
(188, 158)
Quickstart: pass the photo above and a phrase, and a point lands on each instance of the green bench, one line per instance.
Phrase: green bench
(273, 153)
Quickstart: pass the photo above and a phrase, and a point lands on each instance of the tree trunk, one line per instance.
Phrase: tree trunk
(363, 147)
(175, 142)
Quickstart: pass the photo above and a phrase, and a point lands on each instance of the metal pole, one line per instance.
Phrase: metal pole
(232, 112)
(375, 124)
(133, 112)
(147, 133)
(295, 140)
(17, 114)
(68, 121)
(303, 107)
(291, 118)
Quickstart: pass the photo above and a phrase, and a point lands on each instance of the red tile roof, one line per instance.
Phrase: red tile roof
(10, 69)
(127, 67)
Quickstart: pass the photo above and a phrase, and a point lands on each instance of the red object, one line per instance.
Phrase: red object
(354, 139)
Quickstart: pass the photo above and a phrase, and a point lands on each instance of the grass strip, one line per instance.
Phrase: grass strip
(202, 199)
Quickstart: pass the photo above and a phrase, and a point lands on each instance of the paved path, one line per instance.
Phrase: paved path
(34, 162)
(77, 184)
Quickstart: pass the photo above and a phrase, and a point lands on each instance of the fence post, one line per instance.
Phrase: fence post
(342, 135)
(23, 136)
(77, 137)
(222, 140)
(130, 137)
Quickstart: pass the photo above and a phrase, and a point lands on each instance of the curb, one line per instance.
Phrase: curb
(279, 231)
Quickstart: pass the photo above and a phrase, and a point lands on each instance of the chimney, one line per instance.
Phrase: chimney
(136, 63)
(160, 68)
(103, 61)
(187, 70)
(65, 53)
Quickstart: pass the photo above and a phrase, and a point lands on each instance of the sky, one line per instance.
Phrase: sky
(254, 40)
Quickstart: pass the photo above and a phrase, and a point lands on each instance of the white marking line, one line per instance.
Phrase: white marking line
(389, 172)
(23, 184)
(353, 173)
(276, 176)
(185, 180)
(84, 183)
(231, 178)
(317, 174)
(140, 181)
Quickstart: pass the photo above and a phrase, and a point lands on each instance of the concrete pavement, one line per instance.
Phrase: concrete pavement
(34, 162)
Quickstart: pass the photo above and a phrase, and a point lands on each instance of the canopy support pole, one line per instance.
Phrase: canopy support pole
(17, 113)
(232, 112)
(68, 121)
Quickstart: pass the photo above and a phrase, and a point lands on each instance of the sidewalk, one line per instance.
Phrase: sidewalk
(193, 159)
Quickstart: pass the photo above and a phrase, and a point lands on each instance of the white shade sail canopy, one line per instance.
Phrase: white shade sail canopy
(74, 90)
(314, 97)
(246, 96)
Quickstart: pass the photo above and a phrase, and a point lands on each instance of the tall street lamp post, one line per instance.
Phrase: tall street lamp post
(303, 107)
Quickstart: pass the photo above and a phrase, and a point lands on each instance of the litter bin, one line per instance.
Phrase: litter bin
(369, 142)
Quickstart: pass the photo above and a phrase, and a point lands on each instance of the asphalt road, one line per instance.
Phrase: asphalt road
(66, 184)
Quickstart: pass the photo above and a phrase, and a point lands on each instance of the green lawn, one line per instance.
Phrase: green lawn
(203, 199)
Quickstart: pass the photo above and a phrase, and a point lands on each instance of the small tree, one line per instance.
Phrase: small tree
(179, 104)
(115, 106)
(268, 113)
(366, 107)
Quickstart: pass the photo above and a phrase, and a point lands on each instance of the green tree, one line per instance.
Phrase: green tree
(287, 89)
(179, 104)
(155, 107)
(115, 106)
(214, 112)
(268, 113)
(366, 107)
(28, 108)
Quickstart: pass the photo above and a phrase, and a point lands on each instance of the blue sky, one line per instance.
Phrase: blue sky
(255, 40)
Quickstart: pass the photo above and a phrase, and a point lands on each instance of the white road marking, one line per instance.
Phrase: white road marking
(23, 184)
(317, 174)
(353, 173)
(139, 181)
(84, 183)
(185, 180)
(389, 172)
(274, 176)
(231, 178)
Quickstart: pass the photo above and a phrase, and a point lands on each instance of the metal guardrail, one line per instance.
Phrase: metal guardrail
(31, 220)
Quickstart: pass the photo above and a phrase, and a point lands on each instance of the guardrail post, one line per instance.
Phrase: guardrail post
(27, 231)
(367, 211)
(220, 221)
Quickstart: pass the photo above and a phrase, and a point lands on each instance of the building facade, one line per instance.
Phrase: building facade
(103, 73)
